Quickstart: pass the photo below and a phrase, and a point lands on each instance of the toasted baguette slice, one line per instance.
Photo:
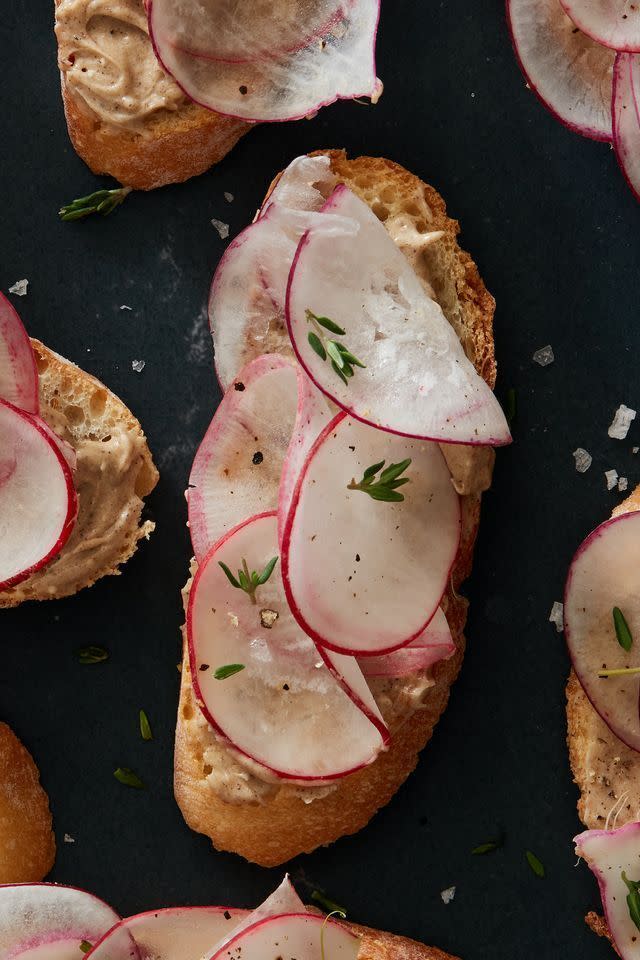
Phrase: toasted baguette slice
(167, 146)
(378, 945)
(27, 843)
(283, 825)
(114, 473)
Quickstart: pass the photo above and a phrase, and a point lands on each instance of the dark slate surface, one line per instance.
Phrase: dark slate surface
(555, 232)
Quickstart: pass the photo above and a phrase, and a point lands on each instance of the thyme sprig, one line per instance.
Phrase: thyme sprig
(249, 582)
(385, 487)
(102, 201)
(342, 360)
(633, 898)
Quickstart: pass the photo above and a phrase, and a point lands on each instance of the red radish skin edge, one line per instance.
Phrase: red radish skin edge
(588, 132)
(620, 64)
(284, 559)
(193, 666)
(376, 426)
(72, 510)
(567, 7)
(313, 110)
(599, 530)
(230, 945)
(122, 924)
(25, 344)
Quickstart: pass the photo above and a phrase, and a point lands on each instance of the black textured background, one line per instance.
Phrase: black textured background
(555, 233)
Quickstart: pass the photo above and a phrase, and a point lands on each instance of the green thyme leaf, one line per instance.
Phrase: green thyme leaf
(102, 201)
(341, 374)
(128, 778)
(328, 324)
(92, 654)
(487, 847)
(633, 898)
(371, 471)
(266, 573)
(622, 629)
(316, 344)
(334, 353)
(85, 946)
(228, 671)
(230, 577)
(249, 581)
(329, 906)
(145, 727)
(384, 488)
(393, 472)
(535, 864)
(341, 358)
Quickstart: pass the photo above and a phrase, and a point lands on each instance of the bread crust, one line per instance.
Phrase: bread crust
(378, 945)
(272, 832)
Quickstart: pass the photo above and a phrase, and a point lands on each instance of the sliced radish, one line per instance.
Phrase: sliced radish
(303, 936)
(284, 709)
(284, 899)
(609, 854)
(605, 573)
(38, 502)
(626, 117)
(434, 644)
(417, 380)
(613, 23)
(18, 371)
(215, 51)
(569, 72)
(304, 185)
(40, 921)
(363, 576)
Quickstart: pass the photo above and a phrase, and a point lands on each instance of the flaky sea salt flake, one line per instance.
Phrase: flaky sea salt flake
(222, 228)
(138, 365)
(611, 476)
(448, 894)
(623, 483)
(583, 459)
(228, 196)
(68, 838)
(19, 288)
(544, 356)
(621, 422)
(557, 615)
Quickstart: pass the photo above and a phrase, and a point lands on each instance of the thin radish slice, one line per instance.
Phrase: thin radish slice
(176, 933)
(362, 576)
(417, 380)
(613, 23)
(284, 899)
(433, 645)
(569, 72)
(304, 936)
(605, 574)
(332, 59)
(18, 372)
(284, 709)
(41, 921)
(609, 854)
(38, 502)
(304, 185)
(626, 117)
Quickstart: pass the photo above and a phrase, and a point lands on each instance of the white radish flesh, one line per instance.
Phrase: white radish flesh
(626, 117)
(303, 936)
(605, 573)
(364, 576)
(317, 53)
(433, 645)
(284, 709)
(284, 899)
(18, 372)
(569, 72)
(613, 23)
(38, 502)
(417, 379)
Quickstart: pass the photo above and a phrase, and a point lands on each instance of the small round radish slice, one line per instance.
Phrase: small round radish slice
(610, 854)
(626, 117)
(433, 645)
(605, 573)
(284, 709)
(18, 372)
(304, 936)
(364, 576)
(38, 502)
(334, 57)
(569, 72)
(613, 23)
(416, 380)
(41, 921)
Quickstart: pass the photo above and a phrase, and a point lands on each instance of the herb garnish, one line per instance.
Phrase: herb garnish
(93, 655)
(623, 633)
(536, 865)
(339, 913)
(85, 946)
(249, 582)
(229, 670)
(385, 487)
(328, 905)
(342, 360)
(618, 672)
(633, 898)
(145, 727)
(128, 778)
(487, 847)
(102, 201)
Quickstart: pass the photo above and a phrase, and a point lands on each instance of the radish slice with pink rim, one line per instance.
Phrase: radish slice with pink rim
(626, 117)
(605, 574)
(365, 577)
(435, 644)
(284, 710)
(569, 72)
(38, 502)
(304, 185)
(609, 853)
(612, 23)
(41, 921)
(333, 59)
(307, 937)
(284, 899)
(18, 371)
(417, 380)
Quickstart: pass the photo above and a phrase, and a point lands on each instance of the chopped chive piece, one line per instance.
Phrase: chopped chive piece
(329, 906)
(93, 654)
(535, 864)
(145, 727)
(229, 670)
(622, 629)
(487, 847)
(128, 778)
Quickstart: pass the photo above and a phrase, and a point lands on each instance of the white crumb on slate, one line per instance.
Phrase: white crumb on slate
(635, 449)
(583, 459)
(611, 477)
(448, 894)
(621, 422)
(557, 615)
(623, 483)
(138, 365)
(544, 356)
(68, 838)
(125, 306)
(222, 228)
(19, 288)
(228, 197)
